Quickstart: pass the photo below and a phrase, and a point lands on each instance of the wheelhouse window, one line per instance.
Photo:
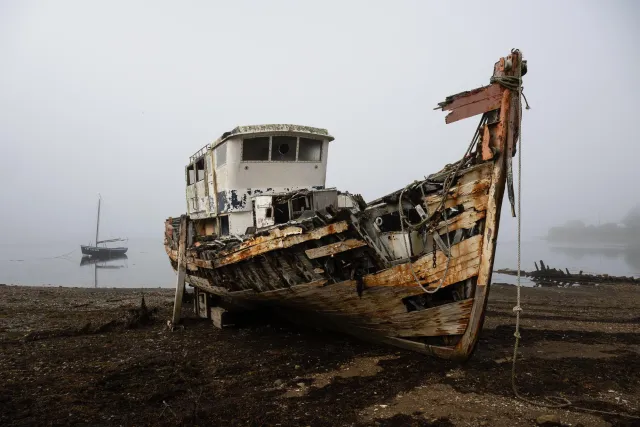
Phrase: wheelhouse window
(200, 169)
(281, 148)
(284, 148)
(310, 150)
(221, 154)
(255, 149)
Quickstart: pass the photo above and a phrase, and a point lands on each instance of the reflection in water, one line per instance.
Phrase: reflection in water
(111, 263)
(630, 254)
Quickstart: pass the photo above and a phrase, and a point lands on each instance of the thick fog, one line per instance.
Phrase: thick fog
(113, 97)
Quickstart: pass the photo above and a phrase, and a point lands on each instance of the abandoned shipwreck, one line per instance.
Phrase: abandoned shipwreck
(412, 268)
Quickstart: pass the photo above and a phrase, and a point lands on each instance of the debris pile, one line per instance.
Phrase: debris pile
(547, 276)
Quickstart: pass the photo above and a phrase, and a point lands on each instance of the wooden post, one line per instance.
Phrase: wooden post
(542, 266)
(536, 264)
(182, 248)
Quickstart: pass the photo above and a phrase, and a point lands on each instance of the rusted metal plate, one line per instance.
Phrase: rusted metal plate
(334, 248)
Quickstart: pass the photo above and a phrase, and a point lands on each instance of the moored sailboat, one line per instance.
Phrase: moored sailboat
(101, 250)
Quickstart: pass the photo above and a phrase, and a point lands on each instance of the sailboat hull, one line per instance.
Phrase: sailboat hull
(102, 252)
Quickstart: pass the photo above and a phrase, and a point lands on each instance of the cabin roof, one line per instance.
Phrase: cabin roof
(260, 129)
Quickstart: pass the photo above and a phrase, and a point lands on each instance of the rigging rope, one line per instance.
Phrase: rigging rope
(508, 82)
(514, 83)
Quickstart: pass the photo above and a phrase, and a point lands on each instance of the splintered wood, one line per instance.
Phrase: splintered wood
(467, 104)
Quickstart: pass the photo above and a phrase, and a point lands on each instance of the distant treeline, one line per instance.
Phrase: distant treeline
(627, 232)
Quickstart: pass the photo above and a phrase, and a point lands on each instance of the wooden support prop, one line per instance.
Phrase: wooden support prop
(536, 264)
(182, 247)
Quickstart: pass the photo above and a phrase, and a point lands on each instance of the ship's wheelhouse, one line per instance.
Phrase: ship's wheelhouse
(244, 180)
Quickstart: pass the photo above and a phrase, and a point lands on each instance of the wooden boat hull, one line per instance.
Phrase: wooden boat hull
(283, 273)
(340, 274)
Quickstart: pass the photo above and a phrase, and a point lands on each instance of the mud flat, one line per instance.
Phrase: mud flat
(93, 357)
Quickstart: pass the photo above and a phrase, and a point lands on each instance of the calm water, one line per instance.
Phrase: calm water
(147, 263)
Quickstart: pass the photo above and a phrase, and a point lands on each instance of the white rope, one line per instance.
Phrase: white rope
(566, 403)
(518, 308)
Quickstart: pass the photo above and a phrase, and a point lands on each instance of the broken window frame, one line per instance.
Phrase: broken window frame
(200, 162)
(222, 219)
(221, 159)
(291, 144)
(251, 141)
(190, 179)
(271, 148)
(319, 141)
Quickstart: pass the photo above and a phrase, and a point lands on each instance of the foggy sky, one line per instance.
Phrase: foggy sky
(113, 97)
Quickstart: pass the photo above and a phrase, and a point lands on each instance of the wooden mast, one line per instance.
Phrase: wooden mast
(98, 220)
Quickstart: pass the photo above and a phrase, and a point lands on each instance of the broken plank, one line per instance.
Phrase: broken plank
(465, 253)
(465, 220)
(280, 243)
(334, 248)
(475, 102)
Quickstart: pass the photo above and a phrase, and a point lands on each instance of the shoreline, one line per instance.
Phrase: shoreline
(79, 355)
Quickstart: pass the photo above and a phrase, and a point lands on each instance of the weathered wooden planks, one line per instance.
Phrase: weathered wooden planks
(466, 219)
(334, 248)
(470, 191)
(288, 240)
(468, 104)
(464, 261)
(379, 309)
(446, 319)
(280, 243)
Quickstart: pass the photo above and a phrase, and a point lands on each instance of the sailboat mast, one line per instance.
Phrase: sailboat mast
(98, 220)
